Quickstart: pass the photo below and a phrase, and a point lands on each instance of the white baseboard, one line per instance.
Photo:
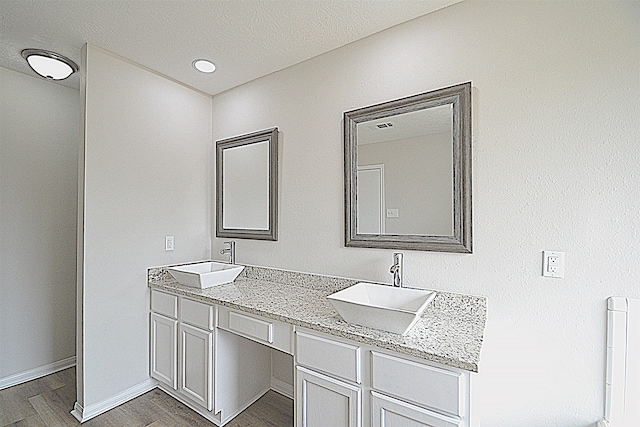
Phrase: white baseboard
(35, 373)
(282, 387)
(91, 411)
(77, 411)
(83, 414)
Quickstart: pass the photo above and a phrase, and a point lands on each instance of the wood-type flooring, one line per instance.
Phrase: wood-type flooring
(47, 402)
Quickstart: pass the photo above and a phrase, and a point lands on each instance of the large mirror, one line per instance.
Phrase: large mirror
(247, 186)
(408, 172)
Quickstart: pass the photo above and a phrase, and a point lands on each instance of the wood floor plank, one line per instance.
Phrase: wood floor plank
(67, 396)
(271, 410)
(47, 402)
(139, 411)
(67, 377)
(15, 407)
(52, 410)
(108, 419)
(176, 412)
(32, 421)
(50, 382)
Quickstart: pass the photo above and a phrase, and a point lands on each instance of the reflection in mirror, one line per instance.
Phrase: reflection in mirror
(410, 153)
(407, 166)
(245, 196)
(246, 183)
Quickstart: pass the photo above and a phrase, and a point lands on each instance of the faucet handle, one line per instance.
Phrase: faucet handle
(226, 249)
(396, 269)
(231, 250)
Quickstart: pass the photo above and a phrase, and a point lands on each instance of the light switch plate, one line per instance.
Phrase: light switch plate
(169, 243)
(553, 264)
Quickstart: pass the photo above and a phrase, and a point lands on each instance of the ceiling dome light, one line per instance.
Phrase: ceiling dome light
(49, 65)
(204, 66)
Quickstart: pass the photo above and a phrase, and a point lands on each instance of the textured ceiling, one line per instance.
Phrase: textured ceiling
(421, 123)
(246, 39)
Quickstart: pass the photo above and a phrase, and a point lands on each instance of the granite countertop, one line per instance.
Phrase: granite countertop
(450, 331)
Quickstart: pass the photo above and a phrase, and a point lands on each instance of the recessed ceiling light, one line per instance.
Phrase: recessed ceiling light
(204, 66)
(49, 65)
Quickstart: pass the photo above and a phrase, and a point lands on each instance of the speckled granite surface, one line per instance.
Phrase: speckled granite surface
(450, 331)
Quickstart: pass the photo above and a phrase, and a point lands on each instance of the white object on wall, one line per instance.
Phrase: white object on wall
(553, 264)
(622, 389)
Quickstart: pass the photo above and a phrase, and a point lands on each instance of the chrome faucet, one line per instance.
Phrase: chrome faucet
(396, 269)
(231, 250)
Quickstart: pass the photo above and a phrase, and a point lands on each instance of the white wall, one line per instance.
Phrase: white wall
(145, 175)
(555, 166)
(38, 188)
(282, 367)
(419, 164)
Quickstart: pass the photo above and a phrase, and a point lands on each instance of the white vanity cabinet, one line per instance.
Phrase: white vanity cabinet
(217, 360)
(164, 334)
(182, 342)
(195, 356)
(346, 384)
(268, 332)
(215, 372)
(328, 382)
(411, 393)
(325, 401)
(390, 412)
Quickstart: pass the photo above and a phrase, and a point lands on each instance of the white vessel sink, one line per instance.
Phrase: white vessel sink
(381, 307)
(205, 274)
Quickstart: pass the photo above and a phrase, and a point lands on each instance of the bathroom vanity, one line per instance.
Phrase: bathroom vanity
(211, 349)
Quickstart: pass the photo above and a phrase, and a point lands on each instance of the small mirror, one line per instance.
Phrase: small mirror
(247, 186)
(408, 172)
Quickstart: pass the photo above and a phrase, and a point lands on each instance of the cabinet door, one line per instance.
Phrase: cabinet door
(405, 379)
(390, 412)
(322, 401)
(196, 364)
(164, 349)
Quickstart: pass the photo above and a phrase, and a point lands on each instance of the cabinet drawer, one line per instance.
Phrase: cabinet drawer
(197, 313)
(424, 385)
(265, 331)
(330, 356)
(388, 411)
(164, 303)
(254, 328)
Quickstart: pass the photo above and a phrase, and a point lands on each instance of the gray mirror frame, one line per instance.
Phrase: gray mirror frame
(461, 240)
(271, 135)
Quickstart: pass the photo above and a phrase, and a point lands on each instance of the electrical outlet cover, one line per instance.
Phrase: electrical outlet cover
(553, 264)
